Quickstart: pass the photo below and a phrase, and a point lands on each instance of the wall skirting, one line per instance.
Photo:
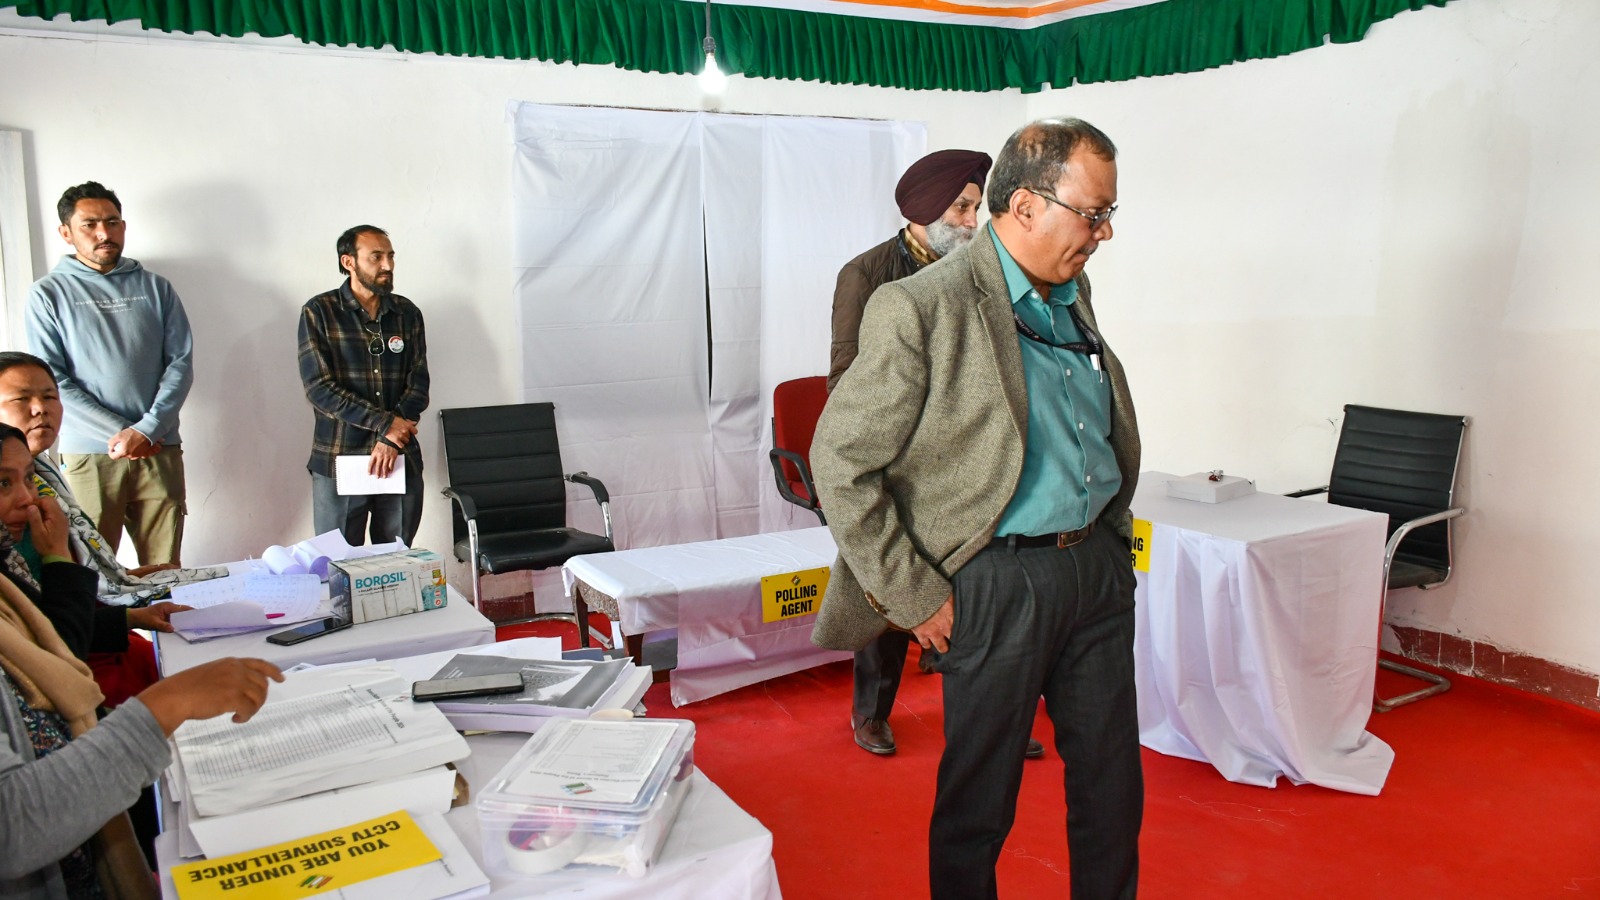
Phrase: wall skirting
(1490, 663)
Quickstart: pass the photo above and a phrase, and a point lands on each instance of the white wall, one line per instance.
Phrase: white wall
(1409, 221)
(238, 167)
(1406, 221)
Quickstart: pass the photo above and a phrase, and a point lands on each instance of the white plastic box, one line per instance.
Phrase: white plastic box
(1199, 486)
(556, 812)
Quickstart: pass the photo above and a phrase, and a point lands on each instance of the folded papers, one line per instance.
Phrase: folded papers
(312, 556)
(244, 602)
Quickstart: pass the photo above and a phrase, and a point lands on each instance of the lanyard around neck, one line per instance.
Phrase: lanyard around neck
(1091, 346)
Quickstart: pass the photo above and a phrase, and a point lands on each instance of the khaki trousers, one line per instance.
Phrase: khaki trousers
(146, 496)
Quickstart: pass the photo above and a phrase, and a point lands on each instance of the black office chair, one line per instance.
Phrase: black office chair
(1402, 464)
(510, 502)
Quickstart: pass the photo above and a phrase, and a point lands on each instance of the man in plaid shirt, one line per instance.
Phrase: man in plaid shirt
(364, 364)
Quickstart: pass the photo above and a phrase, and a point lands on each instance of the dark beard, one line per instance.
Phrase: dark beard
(375, 286)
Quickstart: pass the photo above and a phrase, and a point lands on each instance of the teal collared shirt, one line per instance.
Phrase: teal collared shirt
(1069, 472)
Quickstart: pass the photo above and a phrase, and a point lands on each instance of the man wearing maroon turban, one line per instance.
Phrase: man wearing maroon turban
(939, 196)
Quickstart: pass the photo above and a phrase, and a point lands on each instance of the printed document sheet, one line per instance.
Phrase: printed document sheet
(607, 762)
(322, 730)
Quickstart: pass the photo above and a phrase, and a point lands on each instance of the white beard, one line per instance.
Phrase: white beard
(944, 237)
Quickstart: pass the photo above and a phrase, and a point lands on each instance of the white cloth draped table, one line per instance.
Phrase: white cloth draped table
(711, 593)
(1257, 633)
(715, 849)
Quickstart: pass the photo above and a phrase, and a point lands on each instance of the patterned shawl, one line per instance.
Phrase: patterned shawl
(117, 586)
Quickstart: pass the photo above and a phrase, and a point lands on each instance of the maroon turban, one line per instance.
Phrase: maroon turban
(934, 182)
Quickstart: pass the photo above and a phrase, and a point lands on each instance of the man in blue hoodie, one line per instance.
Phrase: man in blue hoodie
(116, 338)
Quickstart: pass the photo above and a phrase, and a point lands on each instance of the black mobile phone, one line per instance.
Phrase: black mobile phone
(308, 631)
(468, 686)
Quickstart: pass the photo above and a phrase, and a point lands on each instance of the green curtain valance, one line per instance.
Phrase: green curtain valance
(664, 36)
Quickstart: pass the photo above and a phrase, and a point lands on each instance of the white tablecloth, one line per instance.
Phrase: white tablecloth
(454, 627)
(711, 593)
(715, 850)
(1257, 631)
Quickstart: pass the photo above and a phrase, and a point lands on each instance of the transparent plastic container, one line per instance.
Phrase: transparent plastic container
(581, 825)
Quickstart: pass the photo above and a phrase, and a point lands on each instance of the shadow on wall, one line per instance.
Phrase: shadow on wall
(47, 244)
(464, 364)
(246, 426)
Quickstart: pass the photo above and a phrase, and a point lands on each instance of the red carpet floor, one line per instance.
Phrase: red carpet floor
(1494, 793)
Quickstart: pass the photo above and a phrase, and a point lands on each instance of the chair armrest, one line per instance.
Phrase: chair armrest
(1308, 492)
(469, 509)
(778, 456)
(1410, 526)
(601, 496)
(592, 483)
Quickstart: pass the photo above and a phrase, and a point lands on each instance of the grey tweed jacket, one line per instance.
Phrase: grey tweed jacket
(920, 446)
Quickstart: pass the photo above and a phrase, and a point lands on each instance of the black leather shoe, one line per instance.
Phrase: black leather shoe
(873, 735)
(1034, 751)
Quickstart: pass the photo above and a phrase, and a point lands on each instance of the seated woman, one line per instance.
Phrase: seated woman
(64, 780)
(123, 663)
(31, 402)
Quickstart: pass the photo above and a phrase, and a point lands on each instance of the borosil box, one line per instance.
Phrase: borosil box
(387, 585)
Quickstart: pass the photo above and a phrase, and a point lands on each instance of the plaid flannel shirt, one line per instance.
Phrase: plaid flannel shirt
(355, 394)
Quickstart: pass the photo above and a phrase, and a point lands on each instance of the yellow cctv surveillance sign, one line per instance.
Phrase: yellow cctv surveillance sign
(792, 594)
(316, 864)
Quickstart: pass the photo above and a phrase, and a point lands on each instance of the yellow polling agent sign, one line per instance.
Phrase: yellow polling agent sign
(792, 594)
(1141, 545)
(309, 866)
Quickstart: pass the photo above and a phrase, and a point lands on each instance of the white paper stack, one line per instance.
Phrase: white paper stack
(556, 688)
(248, 601)
(353, 728)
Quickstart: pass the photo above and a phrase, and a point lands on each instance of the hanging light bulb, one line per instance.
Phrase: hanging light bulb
(712, 81)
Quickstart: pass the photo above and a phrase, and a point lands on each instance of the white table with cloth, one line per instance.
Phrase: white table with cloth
(715, 849)
(711, 593)
(454, 627)
(1256, 641)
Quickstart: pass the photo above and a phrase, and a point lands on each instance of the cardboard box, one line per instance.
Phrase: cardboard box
(387, 585)
(1200, 487)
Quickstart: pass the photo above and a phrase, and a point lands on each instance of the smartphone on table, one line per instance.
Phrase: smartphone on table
(467, 686)
(305, 632)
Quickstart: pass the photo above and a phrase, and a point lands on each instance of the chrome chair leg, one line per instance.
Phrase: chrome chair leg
(1437, 684)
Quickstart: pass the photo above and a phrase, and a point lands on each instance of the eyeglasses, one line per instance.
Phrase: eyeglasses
(1095, 219)
(375, 345)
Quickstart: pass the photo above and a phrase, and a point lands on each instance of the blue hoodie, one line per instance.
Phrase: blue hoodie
(120, 348)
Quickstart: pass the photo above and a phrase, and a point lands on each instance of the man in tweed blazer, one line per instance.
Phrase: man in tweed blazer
(976, 462)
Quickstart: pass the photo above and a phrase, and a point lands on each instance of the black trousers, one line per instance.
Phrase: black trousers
(1032, 622)
(878, 668)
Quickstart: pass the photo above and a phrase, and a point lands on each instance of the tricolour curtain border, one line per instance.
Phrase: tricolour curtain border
(664, 36)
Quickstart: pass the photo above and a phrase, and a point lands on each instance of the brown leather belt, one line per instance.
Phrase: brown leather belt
(1060, 540)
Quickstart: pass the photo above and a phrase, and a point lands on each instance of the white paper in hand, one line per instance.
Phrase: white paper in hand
(353, 478)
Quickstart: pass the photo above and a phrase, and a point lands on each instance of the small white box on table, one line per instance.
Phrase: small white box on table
(1202, 487)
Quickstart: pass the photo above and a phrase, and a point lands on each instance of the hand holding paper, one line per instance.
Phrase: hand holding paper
(361, 474)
